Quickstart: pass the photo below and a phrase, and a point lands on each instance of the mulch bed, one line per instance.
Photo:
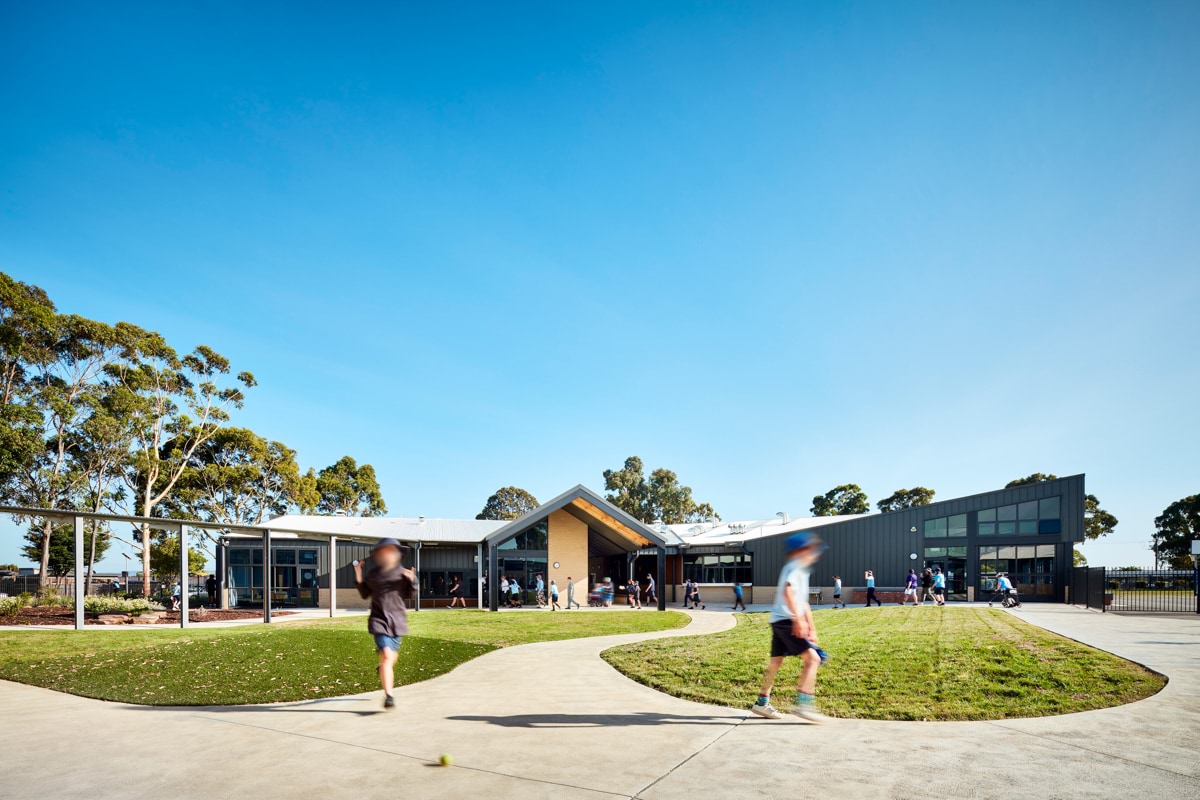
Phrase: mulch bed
(66, 616)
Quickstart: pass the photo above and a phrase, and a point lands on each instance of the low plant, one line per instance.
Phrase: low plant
(52, 601)
(107, 604)
(9, 606)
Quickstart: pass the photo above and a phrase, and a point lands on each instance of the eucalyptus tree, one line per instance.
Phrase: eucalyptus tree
(350, 489)
(659, 497)
(179, 404)
(509, 502)
(845, 499)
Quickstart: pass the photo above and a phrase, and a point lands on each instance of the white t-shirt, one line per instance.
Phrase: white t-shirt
(837, 586)
(796, 575)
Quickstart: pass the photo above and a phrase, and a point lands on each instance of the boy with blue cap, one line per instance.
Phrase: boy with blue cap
(388, 585)
(792, 630)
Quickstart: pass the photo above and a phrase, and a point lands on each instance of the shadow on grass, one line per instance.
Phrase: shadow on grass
(641, 718)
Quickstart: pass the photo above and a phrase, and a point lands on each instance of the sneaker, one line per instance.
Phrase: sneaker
(389, 701)
(808, 712)
(766, 712)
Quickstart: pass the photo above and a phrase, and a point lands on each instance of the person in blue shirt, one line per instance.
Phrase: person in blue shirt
(939, 586)
(738, 600)
(870, 576)
(793, 632)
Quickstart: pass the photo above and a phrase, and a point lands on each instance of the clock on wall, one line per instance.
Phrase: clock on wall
(556, 565)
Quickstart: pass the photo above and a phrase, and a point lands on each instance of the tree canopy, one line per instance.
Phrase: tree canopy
(905, 498)
(1096, 521)
(62, 546)
(350, 489)
(1174, 530)
(508, 503)
(661, 497)
(110, 417)
(845, 499)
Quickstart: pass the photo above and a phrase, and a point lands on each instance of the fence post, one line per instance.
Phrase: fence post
(80, 589)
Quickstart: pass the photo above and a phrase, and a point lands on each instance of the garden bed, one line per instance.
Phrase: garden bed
(43, 615)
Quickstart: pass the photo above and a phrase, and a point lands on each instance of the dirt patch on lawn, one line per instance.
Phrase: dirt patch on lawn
(66, 616)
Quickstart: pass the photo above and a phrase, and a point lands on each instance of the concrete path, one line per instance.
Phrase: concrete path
(552, 720)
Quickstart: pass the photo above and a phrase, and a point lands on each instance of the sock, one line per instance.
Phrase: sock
(804, 699)
(763, 699)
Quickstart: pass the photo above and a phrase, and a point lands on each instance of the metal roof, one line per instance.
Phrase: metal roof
(406, 529)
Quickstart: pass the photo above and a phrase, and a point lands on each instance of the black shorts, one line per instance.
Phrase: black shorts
(784, 642)
(939, 590)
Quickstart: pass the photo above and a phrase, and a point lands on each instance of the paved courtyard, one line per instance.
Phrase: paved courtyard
(552, 720)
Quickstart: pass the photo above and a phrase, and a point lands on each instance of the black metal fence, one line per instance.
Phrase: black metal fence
(1087, 587)
(1167, 590)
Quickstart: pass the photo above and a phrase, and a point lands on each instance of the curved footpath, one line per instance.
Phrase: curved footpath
(552, 720)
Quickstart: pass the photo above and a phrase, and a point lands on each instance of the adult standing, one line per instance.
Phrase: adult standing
(210, 586)
(837, 592)
(927, 586)
(870, 576)
(571, 594)
(939, 586)
(651, 591)
(910, 588)
(541, 591)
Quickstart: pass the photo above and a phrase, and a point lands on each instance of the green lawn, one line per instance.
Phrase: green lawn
(284, 661)
(900, 664)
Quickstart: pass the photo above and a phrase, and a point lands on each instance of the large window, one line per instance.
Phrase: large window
(717, 568)
(1031, 517)
(1029, 566)
(943, 527)
(534, 538)
(294, 580)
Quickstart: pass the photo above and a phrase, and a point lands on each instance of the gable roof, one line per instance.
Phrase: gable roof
(590, 507)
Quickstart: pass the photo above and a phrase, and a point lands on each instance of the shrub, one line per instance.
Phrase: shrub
(107, 604)
(9, 606)
(52, 601)
(1141, 585)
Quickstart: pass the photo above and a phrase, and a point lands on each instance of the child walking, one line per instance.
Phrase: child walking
(792, 630)
(388, 585)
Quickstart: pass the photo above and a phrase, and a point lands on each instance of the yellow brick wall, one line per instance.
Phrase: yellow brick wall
(568, 547)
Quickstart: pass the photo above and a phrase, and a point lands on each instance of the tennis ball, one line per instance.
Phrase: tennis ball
(446, 760)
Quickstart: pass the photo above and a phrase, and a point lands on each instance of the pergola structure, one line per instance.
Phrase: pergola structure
(180, 528)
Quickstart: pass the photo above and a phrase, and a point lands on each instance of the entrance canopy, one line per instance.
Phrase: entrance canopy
(615, 528)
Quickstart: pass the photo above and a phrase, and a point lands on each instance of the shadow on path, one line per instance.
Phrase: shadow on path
(308, 707)
(599, 720)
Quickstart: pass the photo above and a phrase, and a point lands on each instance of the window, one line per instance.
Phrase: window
(308, 557)
(957, 525)
(1030, 517)
(718, 568)
(1048, 508)
(935, 528)
(935, 552)
(256, 556)
(239, 555)
(534, 538)
(285, 556)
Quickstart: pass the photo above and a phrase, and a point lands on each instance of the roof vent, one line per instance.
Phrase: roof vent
(783, 517)
(421, 520)
(341, 512)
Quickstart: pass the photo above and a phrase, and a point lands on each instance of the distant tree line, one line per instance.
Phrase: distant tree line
(111, 418)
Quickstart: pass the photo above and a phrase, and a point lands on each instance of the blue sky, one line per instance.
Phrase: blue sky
(774, 247)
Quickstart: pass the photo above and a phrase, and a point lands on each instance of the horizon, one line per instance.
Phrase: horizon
(774, 248)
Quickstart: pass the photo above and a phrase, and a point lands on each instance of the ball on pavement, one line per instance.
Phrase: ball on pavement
(446, 760)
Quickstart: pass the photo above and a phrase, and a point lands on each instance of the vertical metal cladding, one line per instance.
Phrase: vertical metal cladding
(885, 542)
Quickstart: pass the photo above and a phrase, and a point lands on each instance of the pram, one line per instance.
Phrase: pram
(596, 596)
(1008, 599)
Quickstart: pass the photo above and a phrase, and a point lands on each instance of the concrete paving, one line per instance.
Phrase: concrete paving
(552, 720)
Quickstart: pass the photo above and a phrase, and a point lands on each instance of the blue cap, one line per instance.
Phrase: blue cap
(802, 539)
(388, 542)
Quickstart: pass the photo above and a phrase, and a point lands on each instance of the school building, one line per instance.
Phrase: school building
(1027, 531)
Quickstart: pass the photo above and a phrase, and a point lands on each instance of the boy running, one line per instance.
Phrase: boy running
(388, 585)
(792, 630)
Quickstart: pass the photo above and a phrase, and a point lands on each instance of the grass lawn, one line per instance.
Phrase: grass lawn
(283, 661)
(900, 664)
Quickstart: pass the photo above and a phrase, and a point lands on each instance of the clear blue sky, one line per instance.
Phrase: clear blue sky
(774, 247)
